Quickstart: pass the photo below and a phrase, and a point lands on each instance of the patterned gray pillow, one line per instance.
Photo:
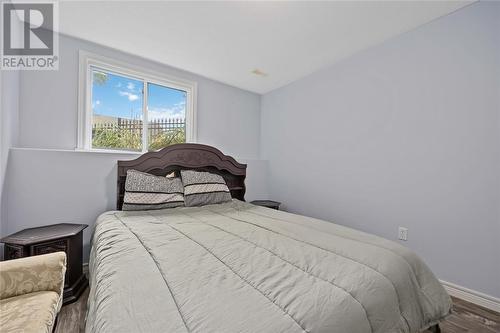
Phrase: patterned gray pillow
(144, 191)
(204, 188)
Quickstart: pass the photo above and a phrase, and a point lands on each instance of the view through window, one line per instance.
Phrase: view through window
(132, 113)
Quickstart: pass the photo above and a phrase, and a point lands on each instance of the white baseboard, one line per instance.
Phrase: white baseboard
(472, 296)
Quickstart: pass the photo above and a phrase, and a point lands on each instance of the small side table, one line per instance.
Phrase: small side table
(267, 203)
(65, 237)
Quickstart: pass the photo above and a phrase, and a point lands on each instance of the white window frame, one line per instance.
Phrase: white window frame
(88, 60)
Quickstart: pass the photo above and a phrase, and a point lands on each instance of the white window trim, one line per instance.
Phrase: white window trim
(88, 60)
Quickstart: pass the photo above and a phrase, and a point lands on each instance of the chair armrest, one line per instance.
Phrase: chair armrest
(37, 273)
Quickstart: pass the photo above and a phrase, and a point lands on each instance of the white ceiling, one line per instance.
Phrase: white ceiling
(226, 41)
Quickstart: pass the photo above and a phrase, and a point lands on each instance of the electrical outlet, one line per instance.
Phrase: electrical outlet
(403, 233)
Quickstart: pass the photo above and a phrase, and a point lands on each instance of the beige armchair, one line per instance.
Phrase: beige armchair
(31, 291)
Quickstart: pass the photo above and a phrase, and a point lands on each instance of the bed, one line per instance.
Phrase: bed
(236, 267)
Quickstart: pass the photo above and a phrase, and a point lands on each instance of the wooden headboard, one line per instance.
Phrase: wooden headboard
(185, 156)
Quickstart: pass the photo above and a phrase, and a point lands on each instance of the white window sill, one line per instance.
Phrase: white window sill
(109, 151)
(79, 150)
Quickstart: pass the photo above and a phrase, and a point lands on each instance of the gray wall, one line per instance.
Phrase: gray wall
(48, 182)
(403, 134)
(9, 114)
(9, 106)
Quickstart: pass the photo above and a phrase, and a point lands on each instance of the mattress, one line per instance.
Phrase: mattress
(236, 267)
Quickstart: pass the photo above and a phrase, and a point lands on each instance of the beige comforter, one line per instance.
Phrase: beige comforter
(236, 267)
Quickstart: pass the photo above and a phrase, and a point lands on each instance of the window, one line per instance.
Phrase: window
(126, 109)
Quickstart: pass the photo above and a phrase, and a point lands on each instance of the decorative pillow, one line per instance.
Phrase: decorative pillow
(204, 188)
(144, 191)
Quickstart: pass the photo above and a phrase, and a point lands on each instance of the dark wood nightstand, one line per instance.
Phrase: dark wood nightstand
(65, 237)
(267, 203)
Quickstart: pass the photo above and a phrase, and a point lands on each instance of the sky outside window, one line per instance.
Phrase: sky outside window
(116, 96)
(121, 97)
(165, 103)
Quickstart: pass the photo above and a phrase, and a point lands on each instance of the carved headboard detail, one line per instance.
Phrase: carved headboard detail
(185, 156)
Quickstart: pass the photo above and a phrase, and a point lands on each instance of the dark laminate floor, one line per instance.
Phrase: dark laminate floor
(466, 317)
(71, 319)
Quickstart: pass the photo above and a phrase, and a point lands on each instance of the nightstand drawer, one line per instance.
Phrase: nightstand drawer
(50, 247)
(15, 251)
